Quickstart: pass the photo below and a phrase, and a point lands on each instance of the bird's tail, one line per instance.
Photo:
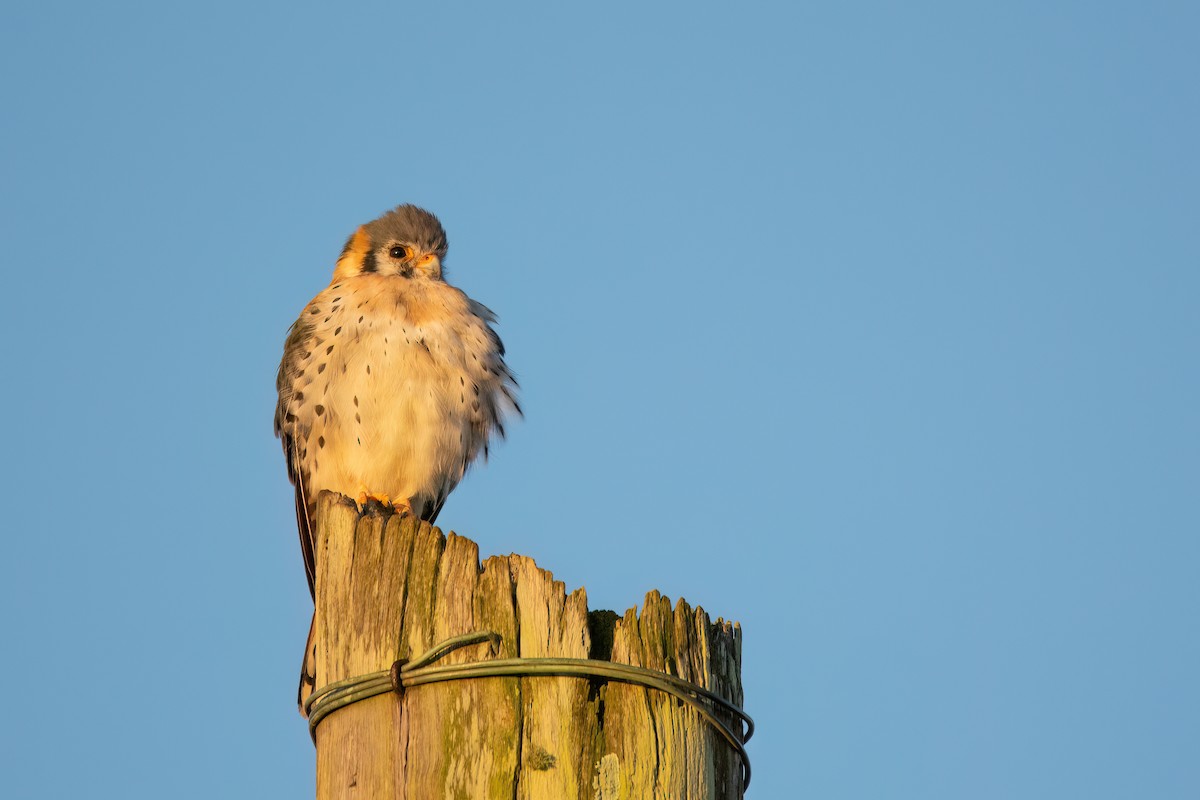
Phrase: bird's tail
(308, 669)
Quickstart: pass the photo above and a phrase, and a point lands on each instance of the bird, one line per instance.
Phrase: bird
(392, 382)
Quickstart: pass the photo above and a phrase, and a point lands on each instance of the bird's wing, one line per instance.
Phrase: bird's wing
(504, 400)
(285, 427)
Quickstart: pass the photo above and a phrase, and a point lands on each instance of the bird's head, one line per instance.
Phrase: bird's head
(407, 242)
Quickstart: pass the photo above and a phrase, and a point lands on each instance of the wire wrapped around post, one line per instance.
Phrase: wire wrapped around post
(404, 675)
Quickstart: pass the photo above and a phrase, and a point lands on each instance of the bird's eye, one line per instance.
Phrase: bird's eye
(398, 251)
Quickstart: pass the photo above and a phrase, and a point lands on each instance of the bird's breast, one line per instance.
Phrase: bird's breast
(395, 388)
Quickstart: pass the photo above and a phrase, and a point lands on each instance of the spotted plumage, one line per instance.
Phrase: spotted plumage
(392, 381)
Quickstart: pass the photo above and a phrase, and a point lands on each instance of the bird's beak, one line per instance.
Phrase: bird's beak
(431, 263)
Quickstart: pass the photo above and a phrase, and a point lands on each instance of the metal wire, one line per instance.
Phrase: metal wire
(421, 671)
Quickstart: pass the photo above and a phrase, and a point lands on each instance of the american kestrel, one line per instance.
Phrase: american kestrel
(392, 380)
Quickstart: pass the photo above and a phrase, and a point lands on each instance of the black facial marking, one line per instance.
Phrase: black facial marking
(369, 264)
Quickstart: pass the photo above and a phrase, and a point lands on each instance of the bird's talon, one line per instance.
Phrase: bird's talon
(370, 500)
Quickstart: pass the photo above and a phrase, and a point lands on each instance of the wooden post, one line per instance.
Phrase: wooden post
(391, 587)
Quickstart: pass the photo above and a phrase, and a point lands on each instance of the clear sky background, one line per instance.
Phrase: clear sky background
(871, 325)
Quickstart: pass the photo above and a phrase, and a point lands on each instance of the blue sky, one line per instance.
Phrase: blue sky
(872, 326)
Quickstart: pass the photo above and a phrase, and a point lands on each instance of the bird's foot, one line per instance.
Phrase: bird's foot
(370, 501)
(381, 504)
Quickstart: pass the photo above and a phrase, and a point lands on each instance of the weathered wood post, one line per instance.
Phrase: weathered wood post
(390, 588)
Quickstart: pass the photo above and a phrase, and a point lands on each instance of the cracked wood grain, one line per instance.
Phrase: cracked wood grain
(391, 587)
